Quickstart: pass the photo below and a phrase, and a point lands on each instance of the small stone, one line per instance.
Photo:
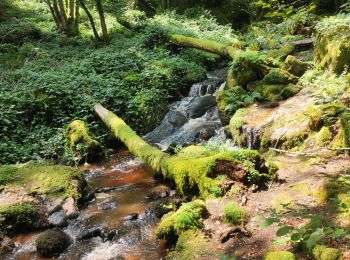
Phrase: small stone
(131, 217)
(70, 209)
(58, 219)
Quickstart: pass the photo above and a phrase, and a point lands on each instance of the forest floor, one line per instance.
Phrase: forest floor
(299, 183)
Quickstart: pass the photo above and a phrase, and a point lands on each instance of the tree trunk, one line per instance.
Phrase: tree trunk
(55, 18)
(100, 11)
(93, 26)
(63, 15)
(205, 45)
(150, 155)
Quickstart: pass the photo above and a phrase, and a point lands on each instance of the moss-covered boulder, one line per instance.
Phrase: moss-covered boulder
(332, 47)
(19, 217)
(52, 242)
(191, 245)
(296, 66)
(280, 255)
(44, 180)
(326, 253)
(81, 144)
(234, 215)
(188, 217)
(345, 124)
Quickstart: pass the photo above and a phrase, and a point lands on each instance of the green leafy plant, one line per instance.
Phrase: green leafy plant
(234, 215)
(317, 230)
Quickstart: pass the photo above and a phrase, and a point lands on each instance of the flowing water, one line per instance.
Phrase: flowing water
(123, 183)
(126, 182)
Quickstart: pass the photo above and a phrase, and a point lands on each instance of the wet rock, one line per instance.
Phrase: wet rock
(70, 209)
(206, 133)
(171, 122)
(109, 205)
(112, 234)
(58, 219)
(158, 194)
(94, 231)
(52, 242)
(6, 244)
(200, 105)
(131, 217)
(53, 205)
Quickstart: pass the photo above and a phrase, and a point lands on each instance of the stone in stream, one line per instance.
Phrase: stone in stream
(6, 244)
(52, 242)
(131, 217)
(200, 105)
(70, 208)
(94, 231)
(107, 205)
(206, 133)
(58, 219)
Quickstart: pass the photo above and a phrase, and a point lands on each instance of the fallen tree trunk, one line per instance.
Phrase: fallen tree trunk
(150, 155)
(205, 45)
(195, 167)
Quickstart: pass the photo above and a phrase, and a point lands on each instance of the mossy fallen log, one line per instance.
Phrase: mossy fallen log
(221, 49)
(195, 168)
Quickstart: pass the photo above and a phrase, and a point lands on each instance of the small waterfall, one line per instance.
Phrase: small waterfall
(252, 136)
(187, 118)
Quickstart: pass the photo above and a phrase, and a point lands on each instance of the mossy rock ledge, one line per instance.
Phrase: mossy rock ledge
(32, 192)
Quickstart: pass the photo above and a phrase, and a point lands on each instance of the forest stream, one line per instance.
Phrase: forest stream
(119, 221)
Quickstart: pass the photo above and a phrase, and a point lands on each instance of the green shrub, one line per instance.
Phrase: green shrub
(234, 215)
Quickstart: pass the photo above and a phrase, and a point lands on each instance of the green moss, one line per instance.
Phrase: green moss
(191, 173)
(18, 217)
(326, 253)
(280, 255)
(273, 92)
(280, 54)
(279, 76)
(188, 217)
(345, 124)
(7, 173)
(236, 124)
(192, 244)
(332, 47)
(203, 44)
(81, 144)
(49, 180)
(234, 215)
(296, 66)
(323, 137)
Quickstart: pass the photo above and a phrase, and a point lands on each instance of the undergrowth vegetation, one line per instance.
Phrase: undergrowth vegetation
(48, 80)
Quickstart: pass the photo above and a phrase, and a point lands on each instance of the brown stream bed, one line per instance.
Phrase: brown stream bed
(127, 182)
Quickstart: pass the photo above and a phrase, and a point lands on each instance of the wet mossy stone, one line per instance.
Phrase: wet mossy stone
(345, 124)
(326, 253)
(279, 76)
(52, 242)
(81, 144)
(54, 181)
(332, 48)
(296, 66)
(280, 255)
(188, 217)
(18, 217)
